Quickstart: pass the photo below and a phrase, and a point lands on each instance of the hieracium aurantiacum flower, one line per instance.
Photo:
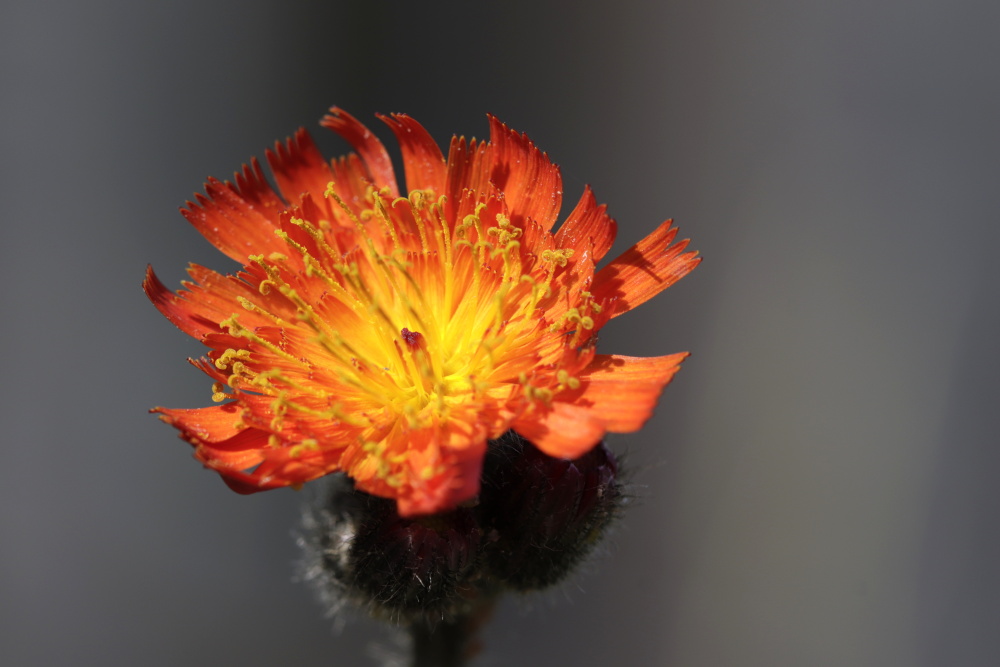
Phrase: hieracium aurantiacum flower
(390, 333)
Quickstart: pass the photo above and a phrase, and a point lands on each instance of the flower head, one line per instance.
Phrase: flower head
(391, 333)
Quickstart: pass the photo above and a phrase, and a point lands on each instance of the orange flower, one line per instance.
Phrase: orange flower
(390, 335)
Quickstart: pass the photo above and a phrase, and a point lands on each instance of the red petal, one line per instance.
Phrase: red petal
(252, 186)
(622, 391)
(467, 163)
(588, 222)
(366, 144)
(247, 483)
(531, 184)
(423, 163)
(644, 270)
(563, 430)
(173, 307)
(299, 167)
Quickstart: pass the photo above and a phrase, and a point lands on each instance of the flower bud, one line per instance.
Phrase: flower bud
(537, 517)
(544, 515)
(359, 550)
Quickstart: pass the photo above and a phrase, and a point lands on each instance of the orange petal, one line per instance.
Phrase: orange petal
(588, 222)
(431, 474)
(368, 146)
(457, 482)
(275, 467)
(531, 184)
(644, 270)
(290, 465)
(243, 451)
(214, 423)
(622, 391)
(563, 430)
(199, 308)
(208, 368)
(230, 223)
(247, 483)
(423, 163)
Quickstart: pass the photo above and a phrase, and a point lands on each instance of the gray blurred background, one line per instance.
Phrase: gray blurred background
(818, 485)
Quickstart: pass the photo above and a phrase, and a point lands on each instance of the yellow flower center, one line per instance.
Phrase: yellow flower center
(398, 314)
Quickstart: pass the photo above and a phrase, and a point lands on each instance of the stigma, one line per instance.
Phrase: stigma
(414, 339)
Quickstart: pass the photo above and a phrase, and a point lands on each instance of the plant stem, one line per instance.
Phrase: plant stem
(448, 643)
(440, 646)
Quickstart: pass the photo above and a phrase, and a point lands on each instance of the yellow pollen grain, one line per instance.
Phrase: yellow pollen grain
(387, 222)
(218, 393)
(511, 259)
(506, 234)
(444, 236)
(418, 219)
(533, 393)
(358, 224)
(254, 308)
(240, 331)
(283, 235)
(566, 380)
(318, 235)
(334, 413)
(307, 445)
(229, 356)
(314, 268)
(417, 198)
(559, 257)
(376, 454)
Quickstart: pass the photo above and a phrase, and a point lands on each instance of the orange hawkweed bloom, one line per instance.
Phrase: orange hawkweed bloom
(391, 333)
